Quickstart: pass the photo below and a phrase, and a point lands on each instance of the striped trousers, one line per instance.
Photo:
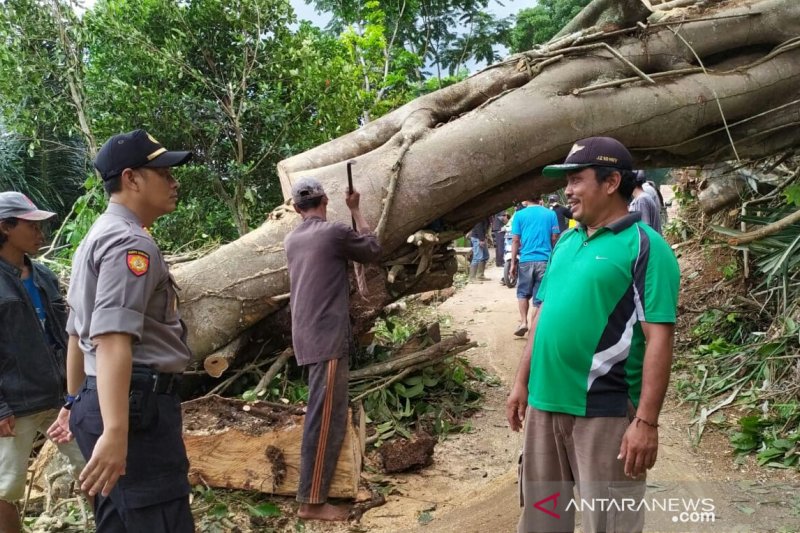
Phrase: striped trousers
(324, 428)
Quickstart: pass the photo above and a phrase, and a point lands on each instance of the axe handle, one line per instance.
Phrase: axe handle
(350, 188)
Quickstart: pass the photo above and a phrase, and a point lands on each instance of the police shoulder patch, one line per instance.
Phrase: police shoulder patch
(138, 262)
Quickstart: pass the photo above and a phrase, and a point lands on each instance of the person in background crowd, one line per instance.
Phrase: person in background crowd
(534, 231)
(643, 203)
(563, 214)
(480, 251)
(499, 233)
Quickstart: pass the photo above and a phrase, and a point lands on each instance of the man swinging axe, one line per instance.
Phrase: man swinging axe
(317, 253)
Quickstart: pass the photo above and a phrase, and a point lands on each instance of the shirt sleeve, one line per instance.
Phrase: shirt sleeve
(515, 229)
(554, 227)
(71, 324)
(128, 273)
(657, 280)
(362, 248)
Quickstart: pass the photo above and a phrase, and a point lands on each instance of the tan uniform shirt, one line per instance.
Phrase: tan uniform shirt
(121, 284)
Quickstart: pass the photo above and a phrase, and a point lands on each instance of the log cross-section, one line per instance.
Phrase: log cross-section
(235, 445)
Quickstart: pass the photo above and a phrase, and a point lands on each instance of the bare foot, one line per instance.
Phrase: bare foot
(323, 511)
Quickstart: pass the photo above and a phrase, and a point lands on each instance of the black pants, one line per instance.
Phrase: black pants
(153, 495)
(324, 428)
(499, 247)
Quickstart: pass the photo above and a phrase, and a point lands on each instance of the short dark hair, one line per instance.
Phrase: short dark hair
(311, 203)
(627, 182)
(10, 222)
(113, 185)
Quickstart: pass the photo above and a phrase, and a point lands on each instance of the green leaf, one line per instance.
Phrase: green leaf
(744, 442)
(249, 395)
(425, 517)
(220, 510)
(792, 194)
(264, 509)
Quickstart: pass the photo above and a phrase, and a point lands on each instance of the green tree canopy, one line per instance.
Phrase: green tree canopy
(537, 25)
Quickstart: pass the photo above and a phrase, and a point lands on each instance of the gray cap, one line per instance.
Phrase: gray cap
(553, 198)
(306, 188)
(17, 205)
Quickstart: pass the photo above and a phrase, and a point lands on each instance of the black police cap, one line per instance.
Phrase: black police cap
(133, 150)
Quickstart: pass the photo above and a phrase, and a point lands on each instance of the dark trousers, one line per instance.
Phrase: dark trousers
(153, 495)
(499, 247)
(324, 428)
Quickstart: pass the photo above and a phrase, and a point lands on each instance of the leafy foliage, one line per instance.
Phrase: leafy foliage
(241, 87)
(435, 399)
(443, 34)
(235, 85)
(48, 172)
(749, 360)
(538, 24)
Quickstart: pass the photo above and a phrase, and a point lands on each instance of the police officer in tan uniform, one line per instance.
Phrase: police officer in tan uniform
(127, 339)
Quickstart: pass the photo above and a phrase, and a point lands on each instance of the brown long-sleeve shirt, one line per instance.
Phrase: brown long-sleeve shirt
(317, 252)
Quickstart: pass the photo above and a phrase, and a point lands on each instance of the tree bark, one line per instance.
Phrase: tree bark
(470, 149)
(432, 353)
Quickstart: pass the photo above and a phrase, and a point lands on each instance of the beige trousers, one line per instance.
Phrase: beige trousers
(568, 464)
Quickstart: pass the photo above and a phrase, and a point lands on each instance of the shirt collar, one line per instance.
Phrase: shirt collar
(122, 211)
(13, 270)
(618, 225)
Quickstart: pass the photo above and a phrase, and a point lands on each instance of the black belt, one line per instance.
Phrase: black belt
(163, 383)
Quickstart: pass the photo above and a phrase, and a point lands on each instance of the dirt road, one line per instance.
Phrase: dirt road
(472, 486)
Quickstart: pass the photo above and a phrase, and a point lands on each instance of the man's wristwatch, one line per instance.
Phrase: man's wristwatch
(68, 401)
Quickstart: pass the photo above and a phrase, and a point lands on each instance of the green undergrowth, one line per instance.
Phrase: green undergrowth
(740, 369)
(436, 399)
(746, 389)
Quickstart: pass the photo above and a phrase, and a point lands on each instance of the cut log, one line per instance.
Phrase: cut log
(218, 362)
(235, 445)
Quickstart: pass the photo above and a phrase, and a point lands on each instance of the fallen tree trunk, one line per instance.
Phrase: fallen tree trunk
(722, 83)
(721, 192)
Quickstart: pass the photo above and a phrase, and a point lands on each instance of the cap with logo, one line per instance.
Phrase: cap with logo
(133, 150)
(17, 205)
(306, 188)
(592, 152)
(553, 198)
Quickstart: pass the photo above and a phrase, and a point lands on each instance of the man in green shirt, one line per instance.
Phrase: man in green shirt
(593, 376)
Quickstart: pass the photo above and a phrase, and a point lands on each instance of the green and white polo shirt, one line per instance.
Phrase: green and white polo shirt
(589, 347)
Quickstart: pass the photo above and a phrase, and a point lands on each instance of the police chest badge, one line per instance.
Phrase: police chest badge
(138, 262)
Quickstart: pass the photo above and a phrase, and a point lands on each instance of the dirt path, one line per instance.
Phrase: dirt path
(472, 484)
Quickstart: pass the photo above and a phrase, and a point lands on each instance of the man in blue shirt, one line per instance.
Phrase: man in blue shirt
(534, 231)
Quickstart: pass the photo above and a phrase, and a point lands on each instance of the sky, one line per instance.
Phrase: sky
(306, 12)
(507, 7)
